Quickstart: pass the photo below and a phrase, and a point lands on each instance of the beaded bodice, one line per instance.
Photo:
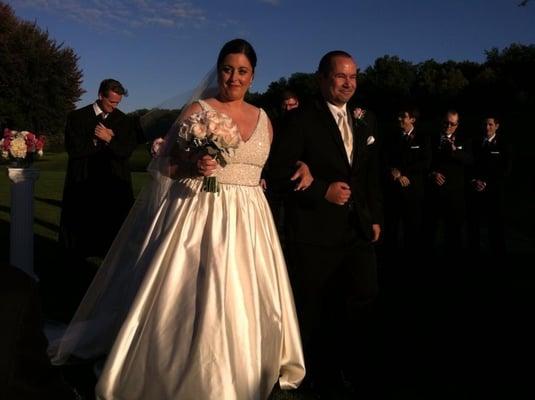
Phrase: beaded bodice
(245, 165)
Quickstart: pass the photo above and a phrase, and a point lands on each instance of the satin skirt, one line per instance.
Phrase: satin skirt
(214, 316)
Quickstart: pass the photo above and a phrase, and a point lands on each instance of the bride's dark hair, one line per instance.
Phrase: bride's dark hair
(237, 46)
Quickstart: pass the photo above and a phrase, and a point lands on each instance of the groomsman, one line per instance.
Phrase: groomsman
(493, 163)
(99, 140)
(331, 226)
(407, 159)
(451, 155)
(290, 100)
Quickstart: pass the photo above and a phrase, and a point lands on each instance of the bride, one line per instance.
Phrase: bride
(193, 298)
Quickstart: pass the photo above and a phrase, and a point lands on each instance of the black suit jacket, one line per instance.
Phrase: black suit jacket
(453, 164)
(493, 161)
(310, 134)
(98, 190)
(412, 157)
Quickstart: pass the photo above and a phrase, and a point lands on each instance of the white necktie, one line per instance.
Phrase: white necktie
(347, 137)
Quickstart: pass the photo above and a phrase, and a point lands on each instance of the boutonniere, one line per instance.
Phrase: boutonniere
(358, 116)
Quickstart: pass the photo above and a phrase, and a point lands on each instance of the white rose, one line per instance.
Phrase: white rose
(211, 115)
(18, 148)
(198, 130)
(183, 132)
(230, 139)
(213, 127)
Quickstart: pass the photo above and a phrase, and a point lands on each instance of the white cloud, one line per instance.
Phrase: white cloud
(272, 2)
(122, 15)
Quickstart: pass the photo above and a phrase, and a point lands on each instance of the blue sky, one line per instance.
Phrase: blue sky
(159, 49)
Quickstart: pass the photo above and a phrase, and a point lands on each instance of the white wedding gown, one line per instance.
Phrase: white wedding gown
(214, 316)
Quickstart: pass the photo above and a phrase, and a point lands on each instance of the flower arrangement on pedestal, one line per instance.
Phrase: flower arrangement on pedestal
(21, 147)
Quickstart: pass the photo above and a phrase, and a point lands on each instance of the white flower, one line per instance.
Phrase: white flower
(359, 113)
(156, 147)
(198, 130)
(18, 147)
(213, 126)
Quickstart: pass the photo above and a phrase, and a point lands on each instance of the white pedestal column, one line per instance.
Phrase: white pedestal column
(21, 226)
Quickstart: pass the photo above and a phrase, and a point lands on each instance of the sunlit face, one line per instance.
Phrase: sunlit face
(406, 122)
(110, 102)
(235, 75)
(290, 104)
(491, 127)
(451, 123)
(341, 82)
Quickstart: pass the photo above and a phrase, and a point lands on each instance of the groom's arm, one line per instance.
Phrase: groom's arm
(288, 148)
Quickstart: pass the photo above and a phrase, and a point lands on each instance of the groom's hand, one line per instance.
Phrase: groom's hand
(338, 193)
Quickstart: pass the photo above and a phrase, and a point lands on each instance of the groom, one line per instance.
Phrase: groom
(331, 227)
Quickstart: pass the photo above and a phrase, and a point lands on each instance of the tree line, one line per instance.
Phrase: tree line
(40, 82)
(504, 81)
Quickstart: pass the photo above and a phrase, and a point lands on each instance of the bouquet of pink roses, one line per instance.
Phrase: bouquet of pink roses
(213, 133)
(21, 147)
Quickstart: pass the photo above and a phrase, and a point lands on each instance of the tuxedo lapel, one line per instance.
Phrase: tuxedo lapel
(359, 138)
(330, 125)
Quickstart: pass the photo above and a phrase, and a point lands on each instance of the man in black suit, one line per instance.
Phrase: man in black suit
(331, 226)
(97, 196)
(493, 163)
(407, 160)
(451, 156)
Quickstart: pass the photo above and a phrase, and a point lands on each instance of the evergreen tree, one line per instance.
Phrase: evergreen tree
(40, 81)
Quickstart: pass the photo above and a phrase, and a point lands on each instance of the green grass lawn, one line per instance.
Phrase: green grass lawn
(48, 194)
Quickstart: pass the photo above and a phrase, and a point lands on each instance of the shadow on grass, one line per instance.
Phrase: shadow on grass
(52, 202)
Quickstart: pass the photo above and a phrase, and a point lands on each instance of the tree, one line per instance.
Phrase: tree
(515, 82)
(40, 81)
(387, 84)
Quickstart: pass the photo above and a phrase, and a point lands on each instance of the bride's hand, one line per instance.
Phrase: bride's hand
(303, 174)
(206, 165)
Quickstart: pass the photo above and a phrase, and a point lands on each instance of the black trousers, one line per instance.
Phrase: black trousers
(334, 289)
(487, 209)
(448, 206)
(404, 211)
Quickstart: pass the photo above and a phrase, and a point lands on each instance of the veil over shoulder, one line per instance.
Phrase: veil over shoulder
(98, 319)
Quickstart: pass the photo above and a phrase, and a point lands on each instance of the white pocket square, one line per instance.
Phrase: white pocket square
(415, 147)
(370, 140)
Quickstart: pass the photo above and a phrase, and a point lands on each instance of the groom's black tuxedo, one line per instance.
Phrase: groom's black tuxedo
(310, 134)
(98, 190)
(330, 256)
